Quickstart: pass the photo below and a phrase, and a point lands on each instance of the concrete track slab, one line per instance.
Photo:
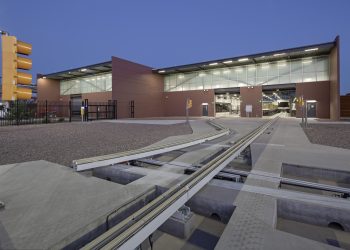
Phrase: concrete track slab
(252, 225)
(46, 203)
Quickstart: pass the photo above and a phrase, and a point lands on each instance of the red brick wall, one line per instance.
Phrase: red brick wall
(345, 106)
(318, 91)
(251, 96)
(174, 102)
(132, 81)
(97, 97)
(48, 90)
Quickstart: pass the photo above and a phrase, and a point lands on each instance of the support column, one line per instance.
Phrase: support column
(251, 95)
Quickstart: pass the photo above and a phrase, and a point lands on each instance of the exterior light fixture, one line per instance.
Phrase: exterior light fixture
(229, 61)
(44, 77)
(161, 71)
(243, 59)
(307, 62)
(213, 64)
(313, 49)
(279, 54)
(83, 70)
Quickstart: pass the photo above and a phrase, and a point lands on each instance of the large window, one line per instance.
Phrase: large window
(310, 69)
(88, 84)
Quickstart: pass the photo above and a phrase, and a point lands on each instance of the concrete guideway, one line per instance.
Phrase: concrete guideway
(105, 160)
(256, 212)
(132, 231)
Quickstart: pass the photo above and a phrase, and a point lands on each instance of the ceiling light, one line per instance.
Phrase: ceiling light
(201, 74)
(216, 72)
(161, 71)
(212, 64)
(181, 76)
(243, 59)
(229, 61)
(307, 62)
(83, 70)
(279, 54)
(313, 49)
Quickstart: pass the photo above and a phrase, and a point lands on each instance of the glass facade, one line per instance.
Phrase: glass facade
(310, 69)
(87, 84)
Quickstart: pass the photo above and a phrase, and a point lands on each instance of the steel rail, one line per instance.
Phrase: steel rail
(122, 232)
(289, 181)
(105, 160)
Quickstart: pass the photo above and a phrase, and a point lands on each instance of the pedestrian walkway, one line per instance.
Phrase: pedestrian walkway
(252, 225)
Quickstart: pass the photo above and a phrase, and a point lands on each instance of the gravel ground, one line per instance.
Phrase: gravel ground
(335, 135)
(64, 142)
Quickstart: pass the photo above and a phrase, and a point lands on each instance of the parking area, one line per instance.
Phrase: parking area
(63, 142)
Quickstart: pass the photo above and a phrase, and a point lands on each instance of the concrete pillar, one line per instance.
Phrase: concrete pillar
(251, 95)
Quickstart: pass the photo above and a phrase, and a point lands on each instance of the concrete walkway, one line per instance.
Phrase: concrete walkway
(252, 225)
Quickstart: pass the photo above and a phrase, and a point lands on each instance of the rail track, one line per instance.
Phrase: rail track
(132, 231)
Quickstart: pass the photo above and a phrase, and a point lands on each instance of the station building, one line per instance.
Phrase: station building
(248, 86)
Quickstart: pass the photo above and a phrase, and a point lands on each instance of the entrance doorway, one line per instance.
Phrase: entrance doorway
(204, 109)
(76, 105)
(227, 104)
(311, 109)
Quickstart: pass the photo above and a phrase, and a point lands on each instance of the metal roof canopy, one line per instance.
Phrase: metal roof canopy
(81, 72)
(277, 55)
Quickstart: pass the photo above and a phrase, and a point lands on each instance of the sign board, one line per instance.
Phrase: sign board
(189, 104)
(249, 108)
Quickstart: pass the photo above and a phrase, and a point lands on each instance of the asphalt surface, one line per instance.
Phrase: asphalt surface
(63, 142)
(335, 135)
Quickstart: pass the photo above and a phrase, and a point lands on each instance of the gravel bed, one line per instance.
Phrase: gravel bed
(61, 143)
(335, 135)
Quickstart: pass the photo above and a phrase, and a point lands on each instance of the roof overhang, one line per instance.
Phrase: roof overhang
(277, 55)
(81, 72)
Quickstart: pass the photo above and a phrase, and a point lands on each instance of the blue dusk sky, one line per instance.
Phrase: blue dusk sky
(72, 33)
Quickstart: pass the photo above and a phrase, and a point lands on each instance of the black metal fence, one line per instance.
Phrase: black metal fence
(42, 112)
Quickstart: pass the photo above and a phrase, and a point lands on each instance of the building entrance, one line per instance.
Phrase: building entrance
(204, 109)
(278, 101)
(227, 104)
(311, 109)
(76, 103)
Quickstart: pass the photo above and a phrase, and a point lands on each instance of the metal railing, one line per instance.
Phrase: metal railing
(43, 112)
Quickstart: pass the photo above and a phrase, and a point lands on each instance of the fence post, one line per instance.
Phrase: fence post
(70, 111)
(115, 109)
(17, 113)
(46, 120)
(132, 109)
(86, 107)
(97, 108)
